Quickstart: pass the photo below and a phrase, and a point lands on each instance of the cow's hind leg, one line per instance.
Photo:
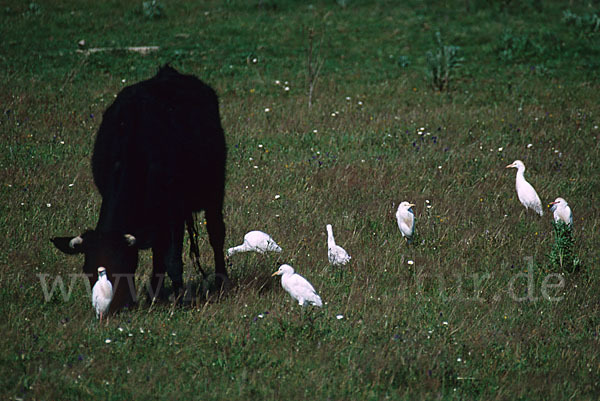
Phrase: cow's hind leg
(216, 235)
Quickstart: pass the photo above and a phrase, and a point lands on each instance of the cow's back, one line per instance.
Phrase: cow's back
(160, 152)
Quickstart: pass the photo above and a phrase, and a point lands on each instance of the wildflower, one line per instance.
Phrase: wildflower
(108, 341)
(500, 149)
(445, 323)
(277, 196)
(287, 88)
(120, 329)
(529, 145)
(458, 360)
(410, 262)
(267, 109)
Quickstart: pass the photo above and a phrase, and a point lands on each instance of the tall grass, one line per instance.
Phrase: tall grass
(477, 314)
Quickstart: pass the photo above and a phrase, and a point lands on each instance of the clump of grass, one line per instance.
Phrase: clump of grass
(589, 22)
(442, 64)
(562, 257)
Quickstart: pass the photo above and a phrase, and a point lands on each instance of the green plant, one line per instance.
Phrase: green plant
(152, 9)
(562, 257)
(442, 63)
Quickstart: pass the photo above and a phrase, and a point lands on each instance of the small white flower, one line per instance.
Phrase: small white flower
(48, 204)
(439, 167)
(277, 196)
(71, 185)
(500, 149)
(333, 114)
(267, 109)
(108, 341)
(529, 145)
(445, 323)
(458, 360)
(315, 131)
(260, 145)
(255, 166)
(277, 82)
(173, 334)
(338, 317)
(410, 262)
(348, 97)
(120, 329)
(426, 200)
(123, 80)
(260, 316)
(141, 330)
(287, 88)
(360, 103)
(62, 142)
(255, 60)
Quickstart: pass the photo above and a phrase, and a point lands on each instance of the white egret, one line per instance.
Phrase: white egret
(256, 241)
(336, 254)
(297, 286)
(527, 195)
(406, 220)
(102, 294)
(562, 211)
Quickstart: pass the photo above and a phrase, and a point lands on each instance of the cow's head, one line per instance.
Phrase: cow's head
(118, 253)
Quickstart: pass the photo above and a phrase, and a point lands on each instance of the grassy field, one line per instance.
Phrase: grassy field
(473, 309)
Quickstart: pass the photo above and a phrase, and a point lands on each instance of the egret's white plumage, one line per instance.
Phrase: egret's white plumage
(336, 254)
(102, 294)
(256, 241)
(527, 195)
(406, 220)
(297, 286)
(562, 211)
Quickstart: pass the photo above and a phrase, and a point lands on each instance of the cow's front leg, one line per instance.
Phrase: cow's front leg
(166, 252)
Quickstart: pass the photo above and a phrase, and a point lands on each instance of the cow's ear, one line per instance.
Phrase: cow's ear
(130, 239)
(69, 245)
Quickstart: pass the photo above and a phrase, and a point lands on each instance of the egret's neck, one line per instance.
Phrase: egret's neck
(330, 239)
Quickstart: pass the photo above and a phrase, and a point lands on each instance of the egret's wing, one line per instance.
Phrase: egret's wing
(338, 255)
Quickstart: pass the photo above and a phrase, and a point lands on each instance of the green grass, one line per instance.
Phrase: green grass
(478, 314)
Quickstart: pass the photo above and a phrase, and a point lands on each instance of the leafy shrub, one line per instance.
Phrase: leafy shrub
(443, 63)
(562, 257)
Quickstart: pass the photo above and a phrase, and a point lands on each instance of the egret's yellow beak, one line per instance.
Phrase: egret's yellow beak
(412, 205)
(274, 274)
(552, 203)
(510, 165)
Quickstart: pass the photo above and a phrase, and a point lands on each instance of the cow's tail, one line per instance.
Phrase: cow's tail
(194, 248)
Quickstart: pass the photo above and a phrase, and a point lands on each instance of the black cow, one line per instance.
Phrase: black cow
(159, 156)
